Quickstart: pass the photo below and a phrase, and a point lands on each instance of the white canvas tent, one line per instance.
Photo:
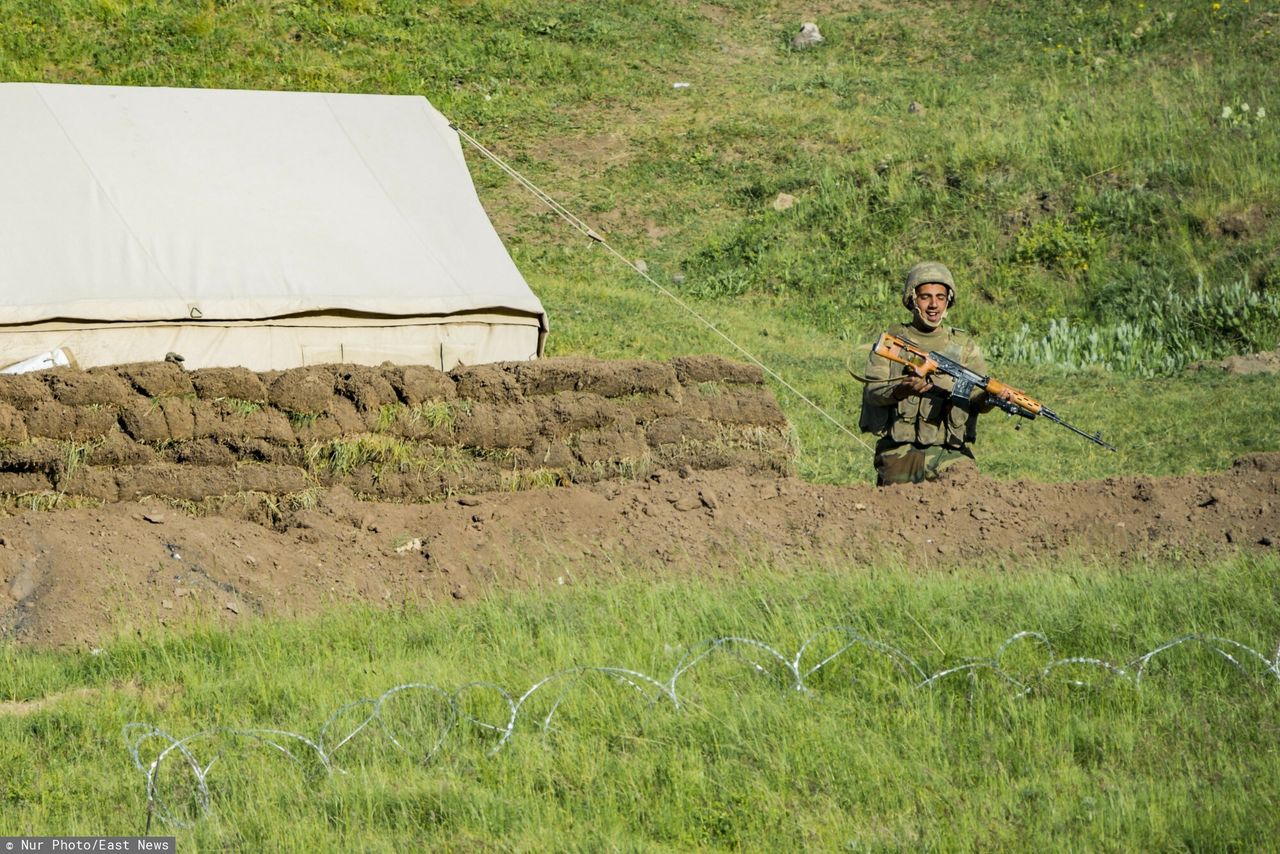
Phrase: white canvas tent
(262, 229)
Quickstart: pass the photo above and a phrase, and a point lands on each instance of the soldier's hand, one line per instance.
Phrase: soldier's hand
(912, 385)
(1006, 394)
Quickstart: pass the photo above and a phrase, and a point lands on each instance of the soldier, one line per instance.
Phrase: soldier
(922, 429)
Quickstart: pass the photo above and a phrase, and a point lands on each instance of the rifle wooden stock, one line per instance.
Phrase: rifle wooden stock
(969, 382)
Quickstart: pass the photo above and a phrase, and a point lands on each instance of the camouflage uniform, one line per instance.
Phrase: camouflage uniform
(921, 434)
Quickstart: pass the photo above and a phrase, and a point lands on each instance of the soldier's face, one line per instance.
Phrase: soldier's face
(931, 305)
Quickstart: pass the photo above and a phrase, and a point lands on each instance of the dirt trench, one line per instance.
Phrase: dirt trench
(143, 495)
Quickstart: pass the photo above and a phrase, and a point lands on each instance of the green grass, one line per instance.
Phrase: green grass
(435, 414)
(1070, 158)
(863, 759)
(243, 408)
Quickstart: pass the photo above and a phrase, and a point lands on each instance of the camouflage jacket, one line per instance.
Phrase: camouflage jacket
(931, 419)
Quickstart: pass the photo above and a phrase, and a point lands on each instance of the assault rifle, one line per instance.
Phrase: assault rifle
(922, 364)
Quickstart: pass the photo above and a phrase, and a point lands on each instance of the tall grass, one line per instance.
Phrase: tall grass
(863, 759)
(1156, 333)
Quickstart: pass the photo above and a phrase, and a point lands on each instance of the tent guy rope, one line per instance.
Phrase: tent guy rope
(577, 222)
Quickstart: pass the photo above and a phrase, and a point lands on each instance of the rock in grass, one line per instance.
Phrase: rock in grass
(807, 37)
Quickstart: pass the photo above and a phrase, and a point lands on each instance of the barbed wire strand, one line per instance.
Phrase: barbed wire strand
(750, 651)
(581, 226)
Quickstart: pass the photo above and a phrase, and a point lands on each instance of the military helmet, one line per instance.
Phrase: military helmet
(928, 273)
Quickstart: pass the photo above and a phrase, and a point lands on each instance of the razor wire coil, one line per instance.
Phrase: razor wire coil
(318, 755)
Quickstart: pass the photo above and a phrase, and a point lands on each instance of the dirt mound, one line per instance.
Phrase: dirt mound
(144, 494)
(70, 577)
(1266, 362)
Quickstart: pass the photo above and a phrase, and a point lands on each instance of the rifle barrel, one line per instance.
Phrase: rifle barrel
(1092, 437)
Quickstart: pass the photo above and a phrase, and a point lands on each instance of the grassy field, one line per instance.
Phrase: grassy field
(863, 759)
(1090, 164)
(1092, 175)
(1102, 179)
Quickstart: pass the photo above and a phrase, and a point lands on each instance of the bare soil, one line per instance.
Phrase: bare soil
(640, 471)
(1265, 362)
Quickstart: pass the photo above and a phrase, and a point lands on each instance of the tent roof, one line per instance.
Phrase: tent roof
(125, 203)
